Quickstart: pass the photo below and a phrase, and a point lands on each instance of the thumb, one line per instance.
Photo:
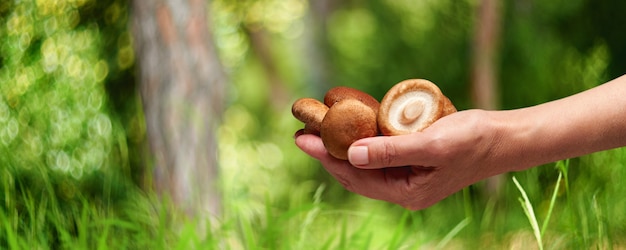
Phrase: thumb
(389, 151)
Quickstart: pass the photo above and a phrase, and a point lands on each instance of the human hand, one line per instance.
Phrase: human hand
(419, 169)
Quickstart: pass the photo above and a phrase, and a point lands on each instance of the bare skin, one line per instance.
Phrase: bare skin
(420, 169)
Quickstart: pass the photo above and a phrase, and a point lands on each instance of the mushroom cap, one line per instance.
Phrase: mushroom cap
(448, 107)
(346, 122)
(311, 112)
(337, 94)
(411, 106)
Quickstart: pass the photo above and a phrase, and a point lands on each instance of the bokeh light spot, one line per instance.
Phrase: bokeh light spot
(72, 18)
(125, 57)
(13, 128)
(101, 70)
(35, 144)
(100, 126)
(24, 41)
(50, 25)
(76, 170)
(62, 161)
(5, 112)
(95, 101)
(270, 155)
(50, 55)
(75, 67)
(9, 132)
(112, 13)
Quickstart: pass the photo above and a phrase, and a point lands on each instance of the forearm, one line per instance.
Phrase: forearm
(591, 121)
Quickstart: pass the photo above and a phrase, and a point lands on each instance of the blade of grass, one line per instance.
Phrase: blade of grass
(343, 240)
(103, 238)
(311, 215)
(65, 237)
(528, 210)
(42, 209)
(271, 233)
(552, 202)
(82, 223)
(9, 233)
(563, 166)
(488, 214)
(368, 242)
(467, 203)
(446, 239)
(394, 243)
(188, 236)
(329, 242)
(599, 218)
(248, 234)
(583, 218)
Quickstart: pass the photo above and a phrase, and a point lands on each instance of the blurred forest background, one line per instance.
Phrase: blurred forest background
(167, 124)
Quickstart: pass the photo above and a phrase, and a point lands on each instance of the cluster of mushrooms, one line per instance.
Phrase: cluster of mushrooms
(348, 114)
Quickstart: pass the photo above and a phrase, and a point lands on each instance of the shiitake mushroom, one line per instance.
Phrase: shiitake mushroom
(411, 106)
(348, 114)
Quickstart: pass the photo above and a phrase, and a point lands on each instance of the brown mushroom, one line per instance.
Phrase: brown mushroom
(347, 115)
(411, 106)
(345, 122)
(337, 94)
(311, 112)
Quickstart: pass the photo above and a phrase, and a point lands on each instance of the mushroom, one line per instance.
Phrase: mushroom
(311, 112)
(347, 115)
(337, 94)
(345, 122)
(411, 106)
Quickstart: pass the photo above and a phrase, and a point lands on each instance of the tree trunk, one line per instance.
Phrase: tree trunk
(182, 87)
(484, 67)
(316, 47)
(486, 40)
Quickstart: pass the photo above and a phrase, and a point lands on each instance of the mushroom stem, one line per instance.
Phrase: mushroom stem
(412, 111)
(311, 112)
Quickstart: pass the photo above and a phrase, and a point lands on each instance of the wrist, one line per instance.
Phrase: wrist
(516, 140)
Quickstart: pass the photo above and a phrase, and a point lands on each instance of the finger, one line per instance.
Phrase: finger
(339, 169)
(381, 184)
(391, 151)
(312, 145)
(406, 186)
(367, 182)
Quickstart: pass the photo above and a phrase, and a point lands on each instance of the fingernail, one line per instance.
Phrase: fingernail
(358, 155)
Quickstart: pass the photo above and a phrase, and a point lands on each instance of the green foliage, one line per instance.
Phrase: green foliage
(64, 157)
(53, 104)
(34, 220)
(376, 44)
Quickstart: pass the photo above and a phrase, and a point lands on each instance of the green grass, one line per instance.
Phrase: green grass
(567, 212)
